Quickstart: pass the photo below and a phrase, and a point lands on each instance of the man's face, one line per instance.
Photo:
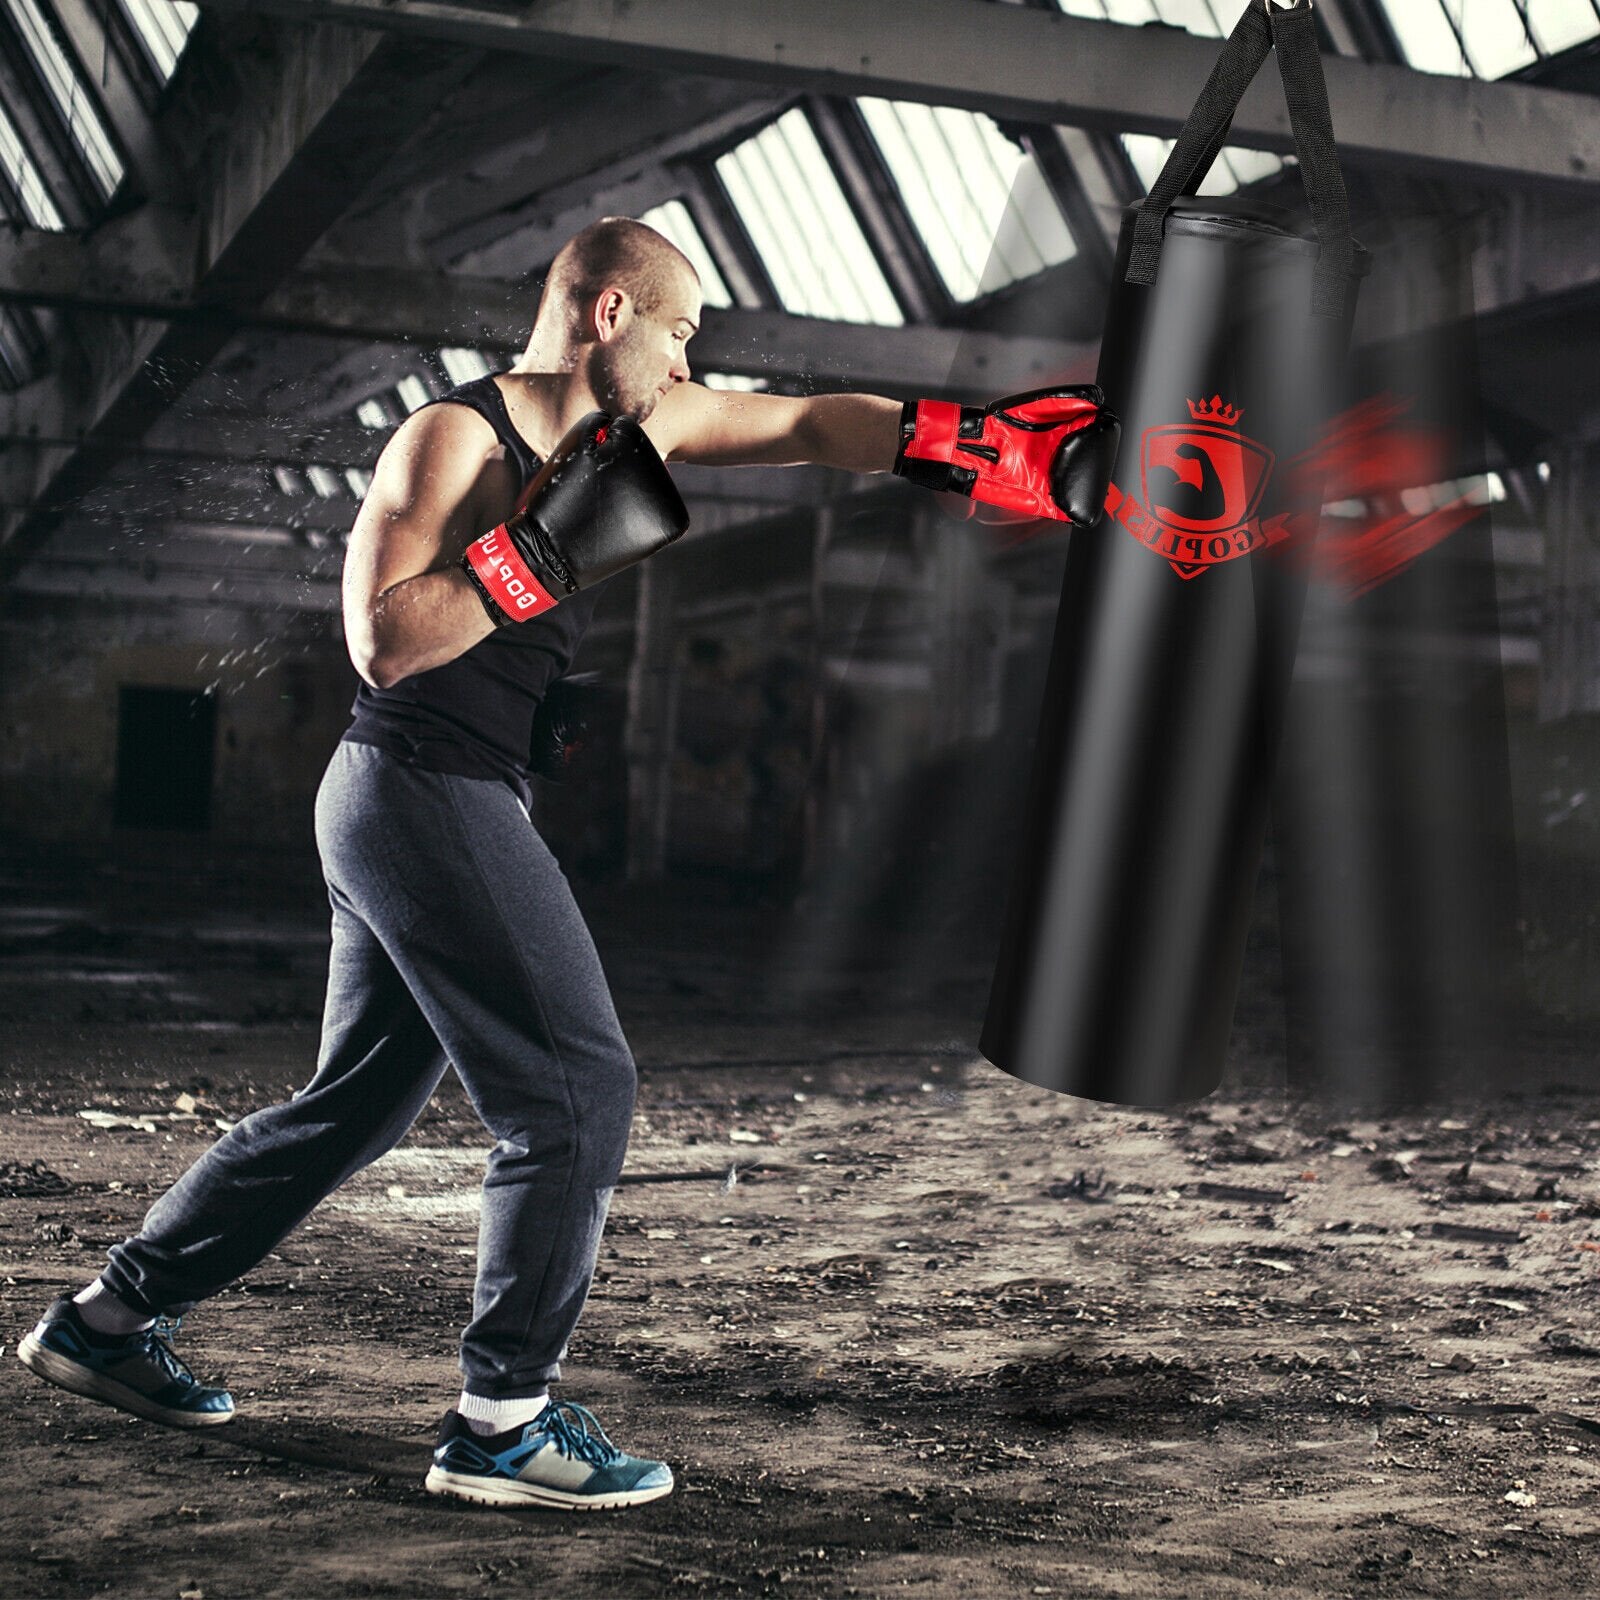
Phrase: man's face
(647, 354)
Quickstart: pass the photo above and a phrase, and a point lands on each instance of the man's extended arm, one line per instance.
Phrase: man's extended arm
(727, 428)
(1048, 453)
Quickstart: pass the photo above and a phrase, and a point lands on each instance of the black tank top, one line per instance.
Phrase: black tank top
(474, 716)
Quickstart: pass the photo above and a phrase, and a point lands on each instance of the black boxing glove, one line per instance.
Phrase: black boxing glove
(602, 501)
(563, 723)
(1048, 453)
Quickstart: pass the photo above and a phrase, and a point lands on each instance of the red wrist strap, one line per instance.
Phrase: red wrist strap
(935, 435)
(507, 577)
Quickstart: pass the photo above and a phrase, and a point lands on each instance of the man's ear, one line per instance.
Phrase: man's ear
(610, 310)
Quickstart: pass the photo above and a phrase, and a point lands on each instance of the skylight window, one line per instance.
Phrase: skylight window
(1560, 24)
(462, 366)
(19, 346)
(982, 206)
(802, 226)
(1426, 39)
(325, 481)
(1232, 170)
(1493, 33)
(24, 178)
(1209, 18)
(165, 27)
(673, 220)
(733, 380)
(413, 392)
(70, 94)
(1488, 38)
(373, 413)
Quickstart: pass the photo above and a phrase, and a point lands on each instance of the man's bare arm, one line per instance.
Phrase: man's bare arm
(721, 427)
(407, 604)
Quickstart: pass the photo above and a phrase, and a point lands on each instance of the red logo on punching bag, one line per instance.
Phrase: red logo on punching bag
(1204, 476)
(1202, 482)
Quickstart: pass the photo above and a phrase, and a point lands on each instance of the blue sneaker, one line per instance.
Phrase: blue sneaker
(137, 1373)
(561, 1459)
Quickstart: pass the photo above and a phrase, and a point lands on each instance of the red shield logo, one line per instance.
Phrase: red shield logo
(1202, 480)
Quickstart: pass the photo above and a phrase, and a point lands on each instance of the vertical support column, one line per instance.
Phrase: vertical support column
(817, 767)
(651, 728)
(969, 611)
(963, 669)
(1569, 661)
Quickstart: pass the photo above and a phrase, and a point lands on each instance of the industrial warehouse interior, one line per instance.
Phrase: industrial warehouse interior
(898, 1319)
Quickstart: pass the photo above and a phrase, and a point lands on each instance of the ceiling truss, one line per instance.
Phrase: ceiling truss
(329, 245)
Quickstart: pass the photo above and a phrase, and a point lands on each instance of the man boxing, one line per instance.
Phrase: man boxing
(468, 582)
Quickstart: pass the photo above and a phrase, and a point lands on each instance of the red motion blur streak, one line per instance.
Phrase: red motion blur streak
(1366, 454)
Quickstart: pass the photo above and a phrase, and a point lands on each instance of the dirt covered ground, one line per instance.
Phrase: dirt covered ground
(899, 1323)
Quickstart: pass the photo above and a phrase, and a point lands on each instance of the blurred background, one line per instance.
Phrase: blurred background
(242, 242)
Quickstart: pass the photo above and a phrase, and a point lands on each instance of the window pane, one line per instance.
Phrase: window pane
(164, 27)
(1195, 15)
(980, 204)
(1497, 43)
(1560, 24)
(21, 346)
(19, 168)
(1148, 153)
(413, 392)
(70, 94)
(674, 222)
(1426, 39)
(1233, 168)
(803, 228)
(462, 366)
(1131, 11)
(1221, 179)
(1227, 13)
(1210, 19)
(1251, 166)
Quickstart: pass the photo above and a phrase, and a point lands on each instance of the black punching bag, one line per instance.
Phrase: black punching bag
(1142, 830)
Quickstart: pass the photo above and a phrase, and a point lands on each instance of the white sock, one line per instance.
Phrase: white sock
(106, 1314)
(498, 1416)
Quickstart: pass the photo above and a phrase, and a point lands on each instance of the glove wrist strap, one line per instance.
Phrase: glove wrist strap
(928, 430)
(487, 600)
(500, 572)
(926, 456)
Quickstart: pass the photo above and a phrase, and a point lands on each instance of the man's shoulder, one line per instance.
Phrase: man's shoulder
(678, 417)
(444, 453)
(446, 424)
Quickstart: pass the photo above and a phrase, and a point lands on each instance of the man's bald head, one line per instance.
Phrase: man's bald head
(615, 252)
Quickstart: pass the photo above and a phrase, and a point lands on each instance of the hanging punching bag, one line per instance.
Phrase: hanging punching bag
(1142, 829)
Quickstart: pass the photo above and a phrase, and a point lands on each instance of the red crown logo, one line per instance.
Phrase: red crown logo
(1213, 410)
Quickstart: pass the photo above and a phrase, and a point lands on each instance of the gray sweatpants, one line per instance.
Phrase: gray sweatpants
(456, 940)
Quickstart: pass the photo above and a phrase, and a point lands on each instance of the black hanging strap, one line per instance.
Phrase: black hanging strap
(1248, 46)
(1300, 65)
(1260, 27)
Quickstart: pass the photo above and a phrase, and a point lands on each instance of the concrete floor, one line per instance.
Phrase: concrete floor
(898, 1322)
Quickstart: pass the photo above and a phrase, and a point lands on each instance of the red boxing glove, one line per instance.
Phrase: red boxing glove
(1044, 454)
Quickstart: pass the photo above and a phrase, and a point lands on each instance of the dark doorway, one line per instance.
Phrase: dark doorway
(166, 739)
